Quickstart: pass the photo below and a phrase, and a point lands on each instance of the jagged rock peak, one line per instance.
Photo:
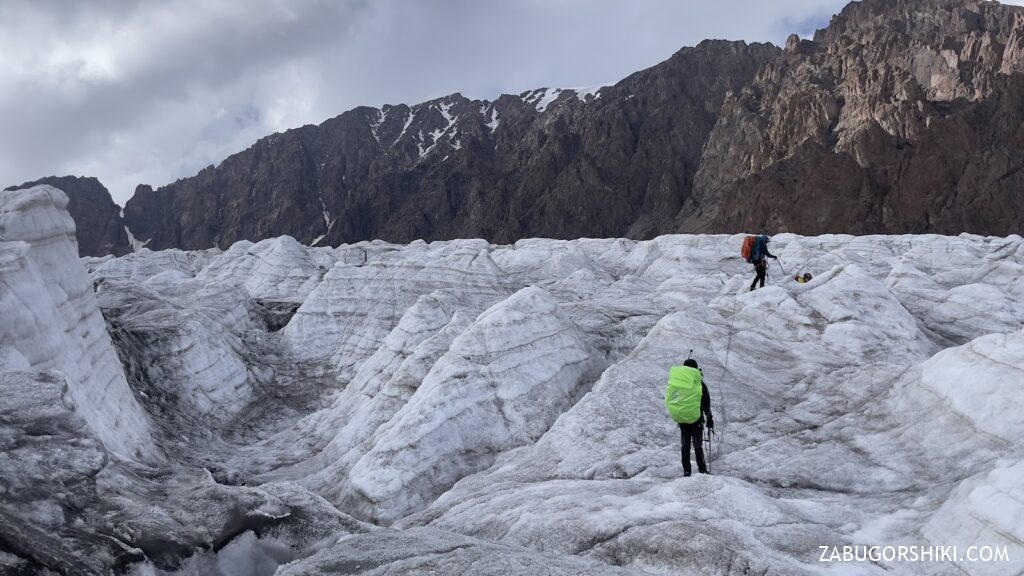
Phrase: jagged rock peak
(99, 228)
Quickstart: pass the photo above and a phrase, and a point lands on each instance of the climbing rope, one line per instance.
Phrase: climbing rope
(710, 433)
(721, 375)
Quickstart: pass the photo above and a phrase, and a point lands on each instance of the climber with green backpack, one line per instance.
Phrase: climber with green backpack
(687, 401)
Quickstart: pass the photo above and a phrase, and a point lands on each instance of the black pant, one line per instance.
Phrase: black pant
(693, 434)
(760, 268)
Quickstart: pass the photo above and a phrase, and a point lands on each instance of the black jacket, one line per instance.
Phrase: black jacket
(705, 404)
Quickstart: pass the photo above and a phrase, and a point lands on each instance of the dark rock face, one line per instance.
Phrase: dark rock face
(544, 163)
(900, 116)
(98, 225)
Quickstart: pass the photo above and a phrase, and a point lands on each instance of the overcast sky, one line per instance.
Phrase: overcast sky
(149, 91)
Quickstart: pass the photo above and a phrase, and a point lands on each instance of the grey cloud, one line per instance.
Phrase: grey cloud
(189, 62)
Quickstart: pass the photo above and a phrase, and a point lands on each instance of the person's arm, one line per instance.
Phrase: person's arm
(705, 403)
(769, 254)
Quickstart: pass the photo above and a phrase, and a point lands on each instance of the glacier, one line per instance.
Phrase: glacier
(462, 407)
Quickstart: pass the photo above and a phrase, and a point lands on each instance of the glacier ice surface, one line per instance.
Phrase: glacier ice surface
(468, 408)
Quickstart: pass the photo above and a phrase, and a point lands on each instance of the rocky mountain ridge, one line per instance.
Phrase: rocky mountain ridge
(901, 116)
(558, 163)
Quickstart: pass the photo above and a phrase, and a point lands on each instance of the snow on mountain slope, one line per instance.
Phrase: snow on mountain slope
(500, 407)
(51, 320)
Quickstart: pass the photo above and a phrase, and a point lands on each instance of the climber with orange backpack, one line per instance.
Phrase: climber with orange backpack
(755, 250)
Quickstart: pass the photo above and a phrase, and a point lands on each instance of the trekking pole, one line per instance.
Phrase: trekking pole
(690, 354)
(779, 262)
(707, 440)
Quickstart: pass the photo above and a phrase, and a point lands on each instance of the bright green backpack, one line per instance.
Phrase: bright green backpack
(682, 396)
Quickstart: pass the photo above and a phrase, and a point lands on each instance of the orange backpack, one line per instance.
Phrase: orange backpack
(748, 248)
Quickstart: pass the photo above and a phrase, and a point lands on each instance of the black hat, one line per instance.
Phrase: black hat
(690, 362)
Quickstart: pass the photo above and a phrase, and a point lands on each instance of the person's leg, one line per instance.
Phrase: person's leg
(698, 449)
(762, 271)
(685, 433)
(757, 274)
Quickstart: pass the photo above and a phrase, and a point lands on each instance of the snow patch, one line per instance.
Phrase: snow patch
(436, 134)
(543, 97)
(408, 121)
(492, 124)
(584, 92)
(133, 242)
(328, 222)
(381, 116)
(444, 108)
